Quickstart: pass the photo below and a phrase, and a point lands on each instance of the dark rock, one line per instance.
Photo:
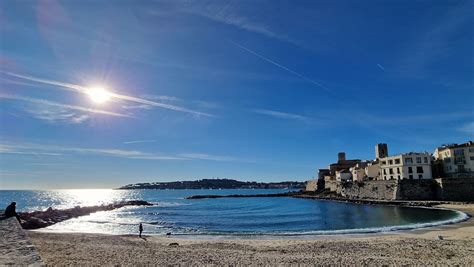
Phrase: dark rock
(40, 219)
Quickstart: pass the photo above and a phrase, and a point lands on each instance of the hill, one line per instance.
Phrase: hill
(215, 184)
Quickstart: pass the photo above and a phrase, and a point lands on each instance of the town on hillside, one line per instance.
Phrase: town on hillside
(449, 166)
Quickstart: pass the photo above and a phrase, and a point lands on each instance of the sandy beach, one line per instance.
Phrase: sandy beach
(421, 246)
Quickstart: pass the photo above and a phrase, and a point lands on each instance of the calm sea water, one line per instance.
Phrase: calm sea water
(224, 216)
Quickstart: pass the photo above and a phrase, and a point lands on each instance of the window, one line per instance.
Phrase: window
(471, 149)
(447, 160)
(397, 161)
(420, 176)
(398, 177)
(390, 162)
(383, 162)
(398, 170)
(459, 152)
(425, 159)
(390, 171)
(410, 170)
(418, 159)
(391, 177)
(419, 169)
(411, 176)
(408, 161)
(472, 158)
(384, 171)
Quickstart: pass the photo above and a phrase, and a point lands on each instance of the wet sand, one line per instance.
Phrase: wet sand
(422, 246)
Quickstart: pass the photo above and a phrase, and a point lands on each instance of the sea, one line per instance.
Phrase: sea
(238, 217)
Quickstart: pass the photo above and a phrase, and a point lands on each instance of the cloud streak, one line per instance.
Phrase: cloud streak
(65, 106)
(138, 141)
(52, 150)
(280, 115)
(380, 67)
(54, 115)
(309, 80)
(467, 128)
(84, 90)
(223, 14)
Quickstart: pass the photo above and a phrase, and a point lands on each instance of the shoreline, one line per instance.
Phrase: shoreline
(462, 217)
(410, 247)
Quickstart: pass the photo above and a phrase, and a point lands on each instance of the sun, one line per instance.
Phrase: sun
(99, 95)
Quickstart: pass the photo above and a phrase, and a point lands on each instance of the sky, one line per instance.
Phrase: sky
(248, 90)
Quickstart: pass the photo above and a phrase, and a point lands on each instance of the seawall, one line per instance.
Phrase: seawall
(15, 246)
(446, 189)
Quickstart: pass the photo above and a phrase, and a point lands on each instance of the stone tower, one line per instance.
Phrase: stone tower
(341, 156)
(381, 151)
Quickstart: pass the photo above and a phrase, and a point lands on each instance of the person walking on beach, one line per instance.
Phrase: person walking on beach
(10, 211)
(140, 228)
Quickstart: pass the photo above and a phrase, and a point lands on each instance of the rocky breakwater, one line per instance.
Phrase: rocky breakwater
(286, 194)
(40, 219)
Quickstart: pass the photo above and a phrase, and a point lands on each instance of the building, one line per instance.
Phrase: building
(372, 170)
(381, 151)
(456, 160)
(406, 166)
(322, 173)
(343, 175)
(342, 163)
(358, 171)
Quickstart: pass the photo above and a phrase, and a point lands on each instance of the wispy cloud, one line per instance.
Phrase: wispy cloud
(53, 150)
(467, 128)
(227, 13)
(63, 106)
(84, 90)
(201, 156)
(56, 114)
(313, 82)
(40, 149)
(138, 141)
(281, 115)
(140, 106)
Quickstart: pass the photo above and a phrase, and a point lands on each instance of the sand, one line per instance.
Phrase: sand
(415, 247)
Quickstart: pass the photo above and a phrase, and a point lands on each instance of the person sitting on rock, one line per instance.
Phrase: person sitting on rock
(10, 211)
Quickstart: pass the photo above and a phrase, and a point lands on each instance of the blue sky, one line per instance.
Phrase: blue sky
(251, 90)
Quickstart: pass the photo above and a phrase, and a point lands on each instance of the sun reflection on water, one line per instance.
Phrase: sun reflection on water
(69, 198)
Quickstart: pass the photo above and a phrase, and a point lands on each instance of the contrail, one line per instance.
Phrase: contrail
(138, 141)
(282, 67)
(84, 90)
(55, 104)
(380, 66)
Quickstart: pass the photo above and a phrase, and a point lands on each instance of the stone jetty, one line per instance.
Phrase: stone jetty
(15, 247)
(40, 219)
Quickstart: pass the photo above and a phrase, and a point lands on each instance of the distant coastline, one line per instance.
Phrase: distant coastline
(216, 184)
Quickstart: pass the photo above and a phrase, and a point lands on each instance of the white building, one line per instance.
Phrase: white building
(406, 166)
(457, 160)
(343, 175)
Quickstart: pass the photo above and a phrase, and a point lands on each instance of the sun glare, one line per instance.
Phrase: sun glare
(99, 95)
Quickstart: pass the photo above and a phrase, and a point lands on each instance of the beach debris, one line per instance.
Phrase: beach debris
(168, 234)
(440, 237)
(174, 244)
